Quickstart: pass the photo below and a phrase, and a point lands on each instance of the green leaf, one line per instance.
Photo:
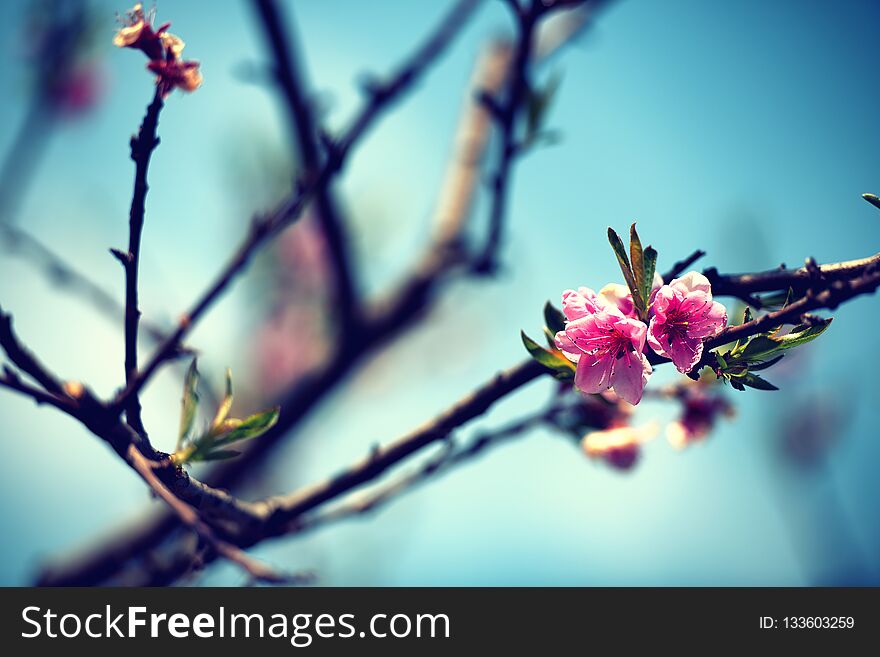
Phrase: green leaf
(636, 258)
(226, 404)
(759, 347)
(798, 337)
(559, 365)
(755, 381)
(189, 403)
(765, 364)
(554, 318)
(722, 363)
(623, 260)
(218, 455)
(872, 199)
(763, 346)
(252, 427)
(650, 258)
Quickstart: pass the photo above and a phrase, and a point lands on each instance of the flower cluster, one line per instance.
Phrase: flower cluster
(605, 335)
(162, 48)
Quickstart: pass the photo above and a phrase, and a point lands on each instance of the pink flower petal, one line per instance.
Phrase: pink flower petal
(629, 375)
(593, 374)
(693, 281)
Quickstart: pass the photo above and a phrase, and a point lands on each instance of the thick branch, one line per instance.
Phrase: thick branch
(256, 570)
(286, 510)
(781, 279)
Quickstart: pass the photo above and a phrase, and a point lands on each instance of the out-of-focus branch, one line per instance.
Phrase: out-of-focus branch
(381, 97)
(67, 278)
(448, 457)
(142, 146)
(24, 360)
(286, 510)
(508, 106)
(681, 265)
(291, 81)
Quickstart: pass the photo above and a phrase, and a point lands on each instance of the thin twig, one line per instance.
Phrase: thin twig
(448, 457)
(142, 146)
(508, 107)
(681, 265)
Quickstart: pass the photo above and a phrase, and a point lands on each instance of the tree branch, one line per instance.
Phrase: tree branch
(507, 110)
(142, 146)
(255, 569)
(290, 79)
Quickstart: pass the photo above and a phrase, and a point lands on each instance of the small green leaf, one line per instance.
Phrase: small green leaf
(554, 318)
(759, 347)
(623, 260)
(226, 404)
(872, 199)
(762, 346)
(636, 258)
(722, 363)
(189, 403)
(650, 257)
(765, 364)
(808, 334)
(755, 381)
(559, 365)
(218, 455)
(252, 427)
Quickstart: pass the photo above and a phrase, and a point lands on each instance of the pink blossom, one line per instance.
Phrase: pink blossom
(684, 316)
(584, 301)
(606, 345)
(619, 445)
(701, 408)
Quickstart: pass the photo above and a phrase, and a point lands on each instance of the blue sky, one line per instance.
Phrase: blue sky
(746, 129)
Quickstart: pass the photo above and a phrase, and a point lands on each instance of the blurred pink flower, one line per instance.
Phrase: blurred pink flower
(619, 446)
(78, 91)
(287, 345)
(684, 316)
(606, 345)
(702, 406)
